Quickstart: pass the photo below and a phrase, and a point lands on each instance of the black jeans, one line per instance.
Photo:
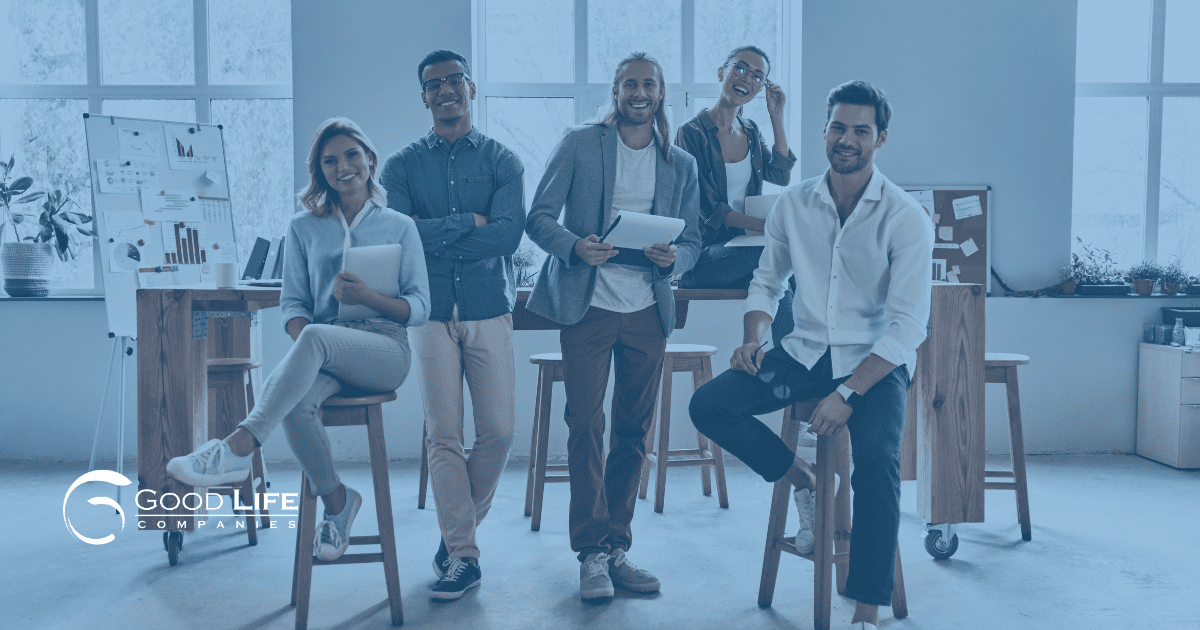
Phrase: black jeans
(721, 267)
(724, 409)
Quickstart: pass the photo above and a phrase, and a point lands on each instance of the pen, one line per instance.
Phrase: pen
(610, 228)
(754, 356)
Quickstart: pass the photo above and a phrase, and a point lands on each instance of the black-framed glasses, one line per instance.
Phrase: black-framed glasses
(741, 70)
(455, 80)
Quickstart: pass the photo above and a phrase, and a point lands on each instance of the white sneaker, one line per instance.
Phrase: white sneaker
(594, 582)
(213, 464)
(333, 533)
(806, 509)
(629, 577)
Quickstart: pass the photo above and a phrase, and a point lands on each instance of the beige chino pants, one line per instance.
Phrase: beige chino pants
(482, 353)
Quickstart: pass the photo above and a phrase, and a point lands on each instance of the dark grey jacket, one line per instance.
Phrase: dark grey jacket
(698, 137)
(580, 176)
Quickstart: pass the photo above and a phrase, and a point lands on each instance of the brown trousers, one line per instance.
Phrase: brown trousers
(603, 494)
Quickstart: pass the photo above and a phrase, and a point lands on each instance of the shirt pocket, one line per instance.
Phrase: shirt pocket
(474, 193)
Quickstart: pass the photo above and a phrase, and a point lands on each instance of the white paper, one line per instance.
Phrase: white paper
(956, 270)
(939, 269)
(747, 240)
(135, 144)
(194, 147)
(170, 205)
(946, 233)
(951, 277)
(925, 198)
(638, 231)
(130, 242)
(969, 247)
(125, 176)
(213, 176)
(379, 268)
(219, 244)
(179, 275)
(945, 245)
(965, 207)
(937, 218)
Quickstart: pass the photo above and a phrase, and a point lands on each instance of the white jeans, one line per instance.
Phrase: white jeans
(463, 487)
(323, 358)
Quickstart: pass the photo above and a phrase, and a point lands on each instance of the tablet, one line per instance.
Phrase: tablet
(379, 267)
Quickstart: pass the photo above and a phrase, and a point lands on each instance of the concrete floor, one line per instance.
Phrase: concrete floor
(1115, 545)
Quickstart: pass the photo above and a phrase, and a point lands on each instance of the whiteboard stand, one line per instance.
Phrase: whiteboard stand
(126, 349)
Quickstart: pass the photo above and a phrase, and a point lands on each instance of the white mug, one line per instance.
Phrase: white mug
(226, 275)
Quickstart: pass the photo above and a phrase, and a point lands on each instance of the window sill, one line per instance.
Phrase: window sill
(54, 298)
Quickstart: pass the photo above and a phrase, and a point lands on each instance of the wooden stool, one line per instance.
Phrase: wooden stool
(354, 409)
(230, 399)
(425, 471)
(550, 371)
(832, 526)
(1002, 368)
(696, 359)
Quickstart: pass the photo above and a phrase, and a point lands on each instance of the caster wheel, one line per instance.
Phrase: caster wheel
(939, 547)
(174, 543)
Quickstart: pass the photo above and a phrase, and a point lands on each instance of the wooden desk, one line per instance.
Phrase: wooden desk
(175, 339)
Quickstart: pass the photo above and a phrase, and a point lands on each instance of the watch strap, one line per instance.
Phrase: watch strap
(849, 395)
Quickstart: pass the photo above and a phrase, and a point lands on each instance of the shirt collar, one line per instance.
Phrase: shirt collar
(873, 191)
(432, 140)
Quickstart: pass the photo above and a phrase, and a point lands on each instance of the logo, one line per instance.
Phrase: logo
(115, 478)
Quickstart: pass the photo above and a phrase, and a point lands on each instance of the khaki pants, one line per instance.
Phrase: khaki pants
(482, 352)
(603, 494)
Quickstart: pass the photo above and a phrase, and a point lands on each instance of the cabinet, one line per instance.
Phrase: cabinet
(1168, 428)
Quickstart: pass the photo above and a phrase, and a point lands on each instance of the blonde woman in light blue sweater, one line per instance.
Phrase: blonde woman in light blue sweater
(344, 209)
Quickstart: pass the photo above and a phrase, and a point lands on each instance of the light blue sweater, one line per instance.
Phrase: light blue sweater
(313, 258)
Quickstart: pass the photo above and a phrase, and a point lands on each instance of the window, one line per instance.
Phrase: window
(543, 65)
(212, 61)
(1137, 130)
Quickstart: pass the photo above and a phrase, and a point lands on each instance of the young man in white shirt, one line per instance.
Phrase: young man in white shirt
(860, 248)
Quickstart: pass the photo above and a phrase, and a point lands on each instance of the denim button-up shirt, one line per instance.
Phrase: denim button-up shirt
(443, 187)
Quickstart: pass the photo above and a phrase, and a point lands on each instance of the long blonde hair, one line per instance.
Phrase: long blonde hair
(318, 197)
(662, 127)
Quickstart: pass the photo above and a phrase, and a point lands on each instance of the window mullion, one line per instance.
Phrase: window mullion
(687, 40)
(200, 37)
(1158, 31)
(583, 110)
(92, 33)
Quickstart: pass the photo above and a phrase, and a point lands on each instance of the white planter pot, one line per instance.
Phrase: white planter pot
(27, 268)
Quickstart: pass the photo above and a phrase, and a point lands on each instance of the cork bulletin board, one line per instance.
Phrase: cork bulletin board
(960, 222)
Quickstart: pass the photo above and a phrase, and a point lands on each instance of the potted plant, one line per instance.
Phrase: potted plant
(525, 261)
(1095, 272)
(1193, 286)
(1068, 279)
(1173, 277)
(1143, 275)
(27, 262)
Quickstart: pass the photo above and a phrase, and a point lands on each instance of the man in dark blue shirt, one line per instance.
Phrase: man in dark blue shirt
(465, 192)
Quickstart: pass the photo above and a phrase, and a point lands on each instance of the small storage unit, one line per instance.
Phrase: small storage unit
(1168, 428)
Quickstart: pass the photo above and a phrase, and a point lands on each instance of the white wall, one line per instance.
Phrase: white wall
(983, 94)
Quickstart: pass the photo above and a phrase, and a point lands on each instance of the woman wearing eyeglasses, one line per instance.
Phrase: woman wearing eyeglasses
(733, 160)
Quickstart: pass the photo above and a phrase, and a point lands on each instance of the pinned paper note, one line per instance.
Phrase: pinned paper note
(946, 233)
(951, 276)
(134, 144)
(956, 270)
(170, 205)
(969, 247)
(212, 176)
(965, 207)
(925, 198)
(945, 245)
(190, 146)
(129, 242)
(125, 176)
(937, 218)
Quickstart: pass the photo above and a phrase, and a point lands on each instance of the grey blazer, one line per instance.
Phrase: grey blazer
(580, 176)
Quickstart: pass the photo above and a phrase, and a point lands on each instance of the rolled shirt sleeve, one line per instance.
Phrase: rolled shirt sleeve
(909, 289)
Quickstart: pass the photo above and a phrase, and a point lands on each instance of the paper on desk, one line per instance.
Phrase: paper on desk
(638, 231)
(965, 207)
(951, 277)
(937, 218)
(747, 240)
(969, 247)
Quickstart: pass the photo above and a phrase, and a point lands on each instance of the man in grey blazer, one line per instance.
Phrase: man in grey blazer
(612, 309)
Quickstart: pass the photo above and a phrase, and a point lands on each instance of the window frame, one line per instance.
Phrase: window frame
(587, 96)
(1154, 90)
(96, 92)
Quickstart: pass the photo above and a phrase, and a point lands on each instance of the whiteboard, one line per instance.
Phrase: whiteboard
(162, 210)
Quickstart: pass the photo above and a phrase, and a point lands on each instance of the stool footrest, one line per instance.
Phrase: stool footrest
(558, 478)
(999, 485)
(364, 540)
(351, 558)
(998, 473)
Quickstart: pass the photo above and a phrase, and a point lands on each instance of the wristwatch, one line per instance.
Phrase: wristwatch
(849, 395)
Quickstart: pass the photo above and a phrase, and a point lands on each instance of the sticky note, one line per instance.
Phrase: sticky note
(951, 276)
(956, 270)
(946, 233)
(937, 218)
(969, 247)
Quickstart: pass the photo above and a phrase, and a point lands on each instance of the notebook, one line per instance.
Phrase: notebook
(759, 207)
(379, 267)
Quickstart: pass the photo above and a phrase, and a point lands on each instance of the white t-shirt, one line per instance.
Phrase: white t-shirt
(737, 179)
(625, 288)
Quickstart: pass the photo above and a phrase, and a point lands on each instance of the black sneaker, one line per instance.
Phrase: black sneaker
(441, 559)
(462, 574)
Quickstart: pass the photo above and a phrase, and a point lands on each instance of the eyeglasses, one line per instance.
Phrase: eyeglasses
(455, 80)
(741, 70)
